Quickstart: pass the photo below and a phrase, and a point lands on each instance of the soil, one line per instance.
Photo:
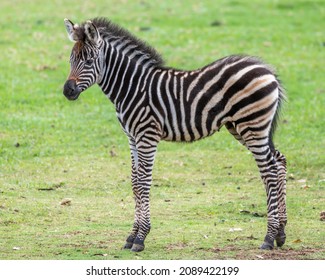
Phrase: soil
(276, 254)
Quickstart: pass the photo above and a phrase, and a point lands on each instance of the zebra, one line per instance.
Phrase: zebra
(154, 102)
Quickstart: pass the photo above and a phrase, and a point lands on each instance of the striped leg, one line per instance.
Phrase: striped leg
(281, 163)
(268, 171)
(142, 178)
(271, 167)
(134, 180)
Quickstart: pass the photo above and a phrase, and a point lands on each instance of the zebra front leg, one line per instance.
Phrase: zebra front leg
(135, 228)
(144, 224)
(146, 154)
(134, 180)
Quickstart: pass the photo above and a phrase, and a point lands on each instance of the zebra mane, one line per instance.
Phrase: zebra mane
(106, 27)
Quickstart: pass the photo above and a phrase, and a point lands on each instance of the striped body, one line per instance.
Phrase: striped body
(155, 103)
(188, 106)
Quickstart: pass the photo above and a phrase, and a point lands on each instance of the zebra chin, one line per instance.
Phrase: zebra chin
(71, 90)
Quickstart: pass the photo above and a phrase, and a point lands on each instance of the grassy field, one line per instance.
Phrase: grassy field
(52, 149)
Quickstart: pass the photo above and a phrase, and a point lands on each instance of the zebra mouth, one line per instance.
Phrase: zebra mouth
(70, 90)
(73, 96)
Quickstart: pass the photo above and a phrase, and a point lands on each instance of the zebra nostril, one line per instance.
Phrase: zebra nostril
(71, 90)
(70, 85)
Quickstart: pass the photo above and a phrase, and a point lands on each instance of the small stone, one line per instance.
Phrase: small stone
(66, 202)
(235, 229)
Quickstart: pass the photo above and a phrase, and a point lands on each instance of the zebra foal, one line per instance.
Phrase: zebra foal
(154, 103)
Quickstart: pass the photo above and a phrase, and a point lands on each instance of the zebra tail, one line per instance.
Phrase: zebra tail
(282, 98)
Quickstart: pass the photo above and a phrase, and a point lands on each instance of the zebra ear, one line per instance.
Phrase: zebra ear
(92, 32)
(71, 29)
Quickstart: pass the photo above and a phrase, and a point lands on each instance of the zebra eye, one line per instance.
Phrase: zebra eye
(89, 61)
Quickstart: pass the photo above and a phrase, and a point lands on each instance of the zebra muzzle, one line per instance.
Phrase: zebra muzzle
(71, 89)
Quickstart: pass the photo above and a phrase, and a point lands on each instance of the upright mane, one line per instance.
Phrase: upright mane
(106, 27)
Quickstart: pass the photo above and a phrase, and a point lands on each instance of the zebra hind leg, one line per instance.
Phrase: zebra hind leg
(267, 163)
(262, 150)
(256, 149)
(268, 171)
(281, 164)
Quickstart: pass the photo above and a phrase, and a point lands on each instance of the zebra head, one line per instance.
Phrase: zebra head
(85, 58)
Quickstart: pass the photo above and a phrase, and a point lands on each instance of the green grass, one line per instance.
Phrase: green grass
(52, 149)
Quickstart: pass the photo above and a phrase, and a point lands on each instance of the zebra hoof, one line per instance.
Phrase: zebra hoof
(129, 242)
(137, 248)
(280, 240)
(268, 243)
(138, 245)
(266, 246)
(128, 245)
(281, 236)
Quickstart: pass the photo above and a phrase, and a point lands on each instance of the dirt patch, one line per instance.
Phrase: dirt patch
(276, 254)
(176, 246)
(290, 254)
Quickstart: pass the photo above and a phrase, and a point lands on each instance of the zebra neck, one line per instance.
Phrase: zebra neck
(124, 71)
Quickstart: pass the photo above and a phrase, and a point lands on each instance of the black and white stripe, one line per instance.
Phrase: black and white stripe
(154, 103)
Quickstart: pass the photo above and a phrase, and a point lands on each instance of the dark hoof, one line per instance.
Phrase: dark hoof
(128, 245)
(281, 236)
(268, 243)
(280, 240)
(266, 246)
(129, 242)
(138, 245)
(137, 248)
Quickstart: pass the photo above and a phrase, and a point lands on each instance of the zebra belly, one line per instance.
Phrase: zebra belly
(191, 129)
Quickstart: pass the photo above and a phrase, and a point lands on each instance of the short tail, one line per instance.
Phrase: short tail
(282, 98)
